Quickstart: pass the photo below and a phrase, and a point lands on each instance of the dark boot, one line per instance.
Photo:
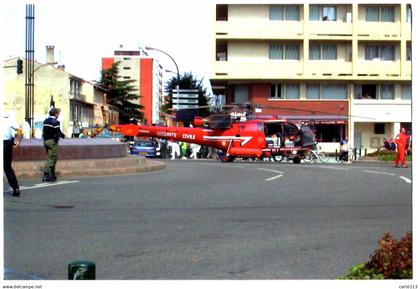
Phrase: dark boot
(45, 177)
(48, 177)
(53, 176)
(16, 192)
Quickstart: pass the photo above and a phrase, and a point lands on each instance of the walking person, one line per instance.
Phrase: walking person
(12, 135)
(344, 150)
(401, 141)
(51, 135)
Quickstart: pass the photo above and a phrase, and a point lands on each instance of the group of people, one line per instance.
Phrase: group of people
(12, 135)
(401, 143)
(184, 150)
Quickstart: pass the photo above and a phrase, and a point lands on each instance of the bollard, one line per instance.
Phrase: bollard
(81, 270)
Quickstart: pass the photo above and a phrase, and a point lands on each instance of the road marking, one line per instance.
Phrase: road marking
(269, 170)
(273, 178)
(378, 173)
(43, 185)
(280, 174)
(407, 180)
(333, 168)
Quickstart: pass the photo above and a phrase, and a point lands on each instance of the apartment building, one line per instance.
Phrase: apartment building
(82, 103)
(147, 73)
(344, 67)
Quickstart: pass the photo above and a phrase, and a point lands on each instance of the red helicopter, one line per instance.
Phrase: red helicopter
(237, 135)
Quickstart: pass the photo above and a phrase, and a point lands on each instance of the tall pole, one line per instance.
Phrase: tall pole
(29, 67)
(176, 65)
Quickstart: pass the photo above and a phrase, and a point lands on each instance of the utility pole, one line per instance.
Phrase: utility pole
(29, 67)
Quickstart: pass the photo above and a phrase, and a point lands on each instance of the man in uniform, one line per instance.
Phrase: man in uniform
(51, 134)
(12, 135)
(401, 140)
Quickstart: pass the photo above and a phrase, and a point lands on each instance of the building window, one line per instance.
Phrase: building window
(373, 91)
(365, 91)
(284, 12)
(221, 51)
(329, 132)
(276, 51)
(323, 52)
(276, 12)
(334, 91)
(126, 77)
(284, 51)
(379, 128)
(292, 91)
(275, 91)
(408, 51)
(381, 52)
(221, 12)
(285, 91)
(241, 94)
(380, 14)
(408, 14)
(321, 12)
(313, 91)
(126, 68)
(75, 87)
(406, 91)
(387, 91)
(327, 91)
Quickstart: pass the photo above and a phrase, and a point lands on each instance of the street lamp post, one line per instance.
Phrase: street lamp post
(176, 65)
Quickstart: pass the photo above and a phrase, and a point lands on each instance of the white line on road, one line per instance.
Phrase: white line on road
(332, 168)
(378, 173)
(407, 180)
(269, 170)
(43, 185)
(273, 178)
(273, 171)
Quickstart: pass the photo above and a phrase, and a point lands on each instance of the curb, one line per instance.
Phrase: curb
(89, 167)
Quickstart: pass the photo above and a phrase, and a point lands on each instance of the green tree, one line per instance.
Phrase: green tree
(121, 94)
(187, 81)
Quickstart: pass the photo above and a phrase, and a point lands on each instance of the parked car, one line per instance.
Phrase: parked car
(145, 148)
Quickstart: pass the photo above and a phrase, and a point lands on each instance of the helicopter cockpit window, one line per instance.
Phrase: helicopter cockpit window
(262, 128)
(290, 129)
(272, 128)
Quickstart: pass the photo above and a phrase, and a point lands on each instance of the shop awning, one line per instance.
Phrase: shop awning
(317, 119)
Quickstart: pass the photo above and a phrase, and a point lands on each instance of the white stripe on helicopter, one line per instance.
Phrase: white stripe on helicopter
(244, 139)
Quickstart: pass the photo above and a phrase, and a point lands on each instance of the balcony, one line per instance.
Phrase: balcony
(274, 69)
(263, 29)
(330, 29)
(379, 30)
(378, 68)
(329, 68)
(77, 96)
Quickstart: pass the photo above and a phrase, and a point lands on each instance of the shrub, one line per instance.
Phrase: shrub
(387, 155)
(392, 260)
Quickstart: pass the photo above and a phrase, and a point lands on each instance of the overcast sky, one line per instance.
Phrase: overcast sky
(85, 31)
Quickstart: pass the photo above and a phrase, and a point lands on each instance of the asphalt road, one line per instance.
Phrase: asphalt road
(208, 220)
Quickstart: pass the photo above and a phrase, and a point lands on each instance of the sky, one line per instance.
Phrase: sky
(82, 32)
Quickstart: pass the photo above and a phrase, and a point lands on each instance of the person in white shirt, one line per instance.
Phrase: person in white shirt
(12, 135)
(195, 148)
(175, 150)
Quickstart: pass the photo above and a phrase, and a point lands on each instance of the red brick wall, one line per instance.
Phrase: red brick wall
(259, 93)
